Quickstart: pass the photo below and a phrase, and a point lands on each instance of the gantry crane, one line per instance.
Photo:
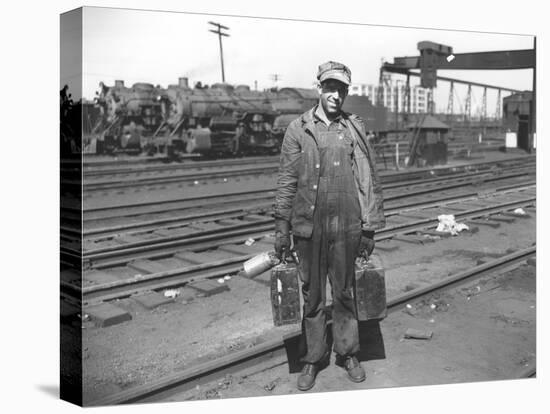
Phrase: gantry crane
(434, 57)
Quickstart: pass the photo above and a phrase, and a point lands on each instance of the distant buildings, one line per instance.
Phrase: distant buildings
(394, 95)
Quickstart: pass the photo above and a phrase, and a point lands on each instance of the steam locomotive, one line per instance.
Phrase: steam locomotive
(216, 120)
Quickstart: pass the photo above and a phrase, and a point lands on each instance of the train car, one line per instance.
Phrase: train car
(220, 119)
(215, 121)
(130, 116)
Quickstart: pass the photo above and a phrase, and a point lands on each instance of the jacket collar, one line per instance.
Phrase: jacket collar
(308, 119)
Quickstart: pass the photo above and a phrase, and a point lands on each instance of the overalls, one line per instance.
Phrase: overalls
(331, 250)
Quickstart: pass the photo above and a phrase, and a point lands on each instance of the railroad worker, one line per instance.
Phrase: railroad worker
(329, 195)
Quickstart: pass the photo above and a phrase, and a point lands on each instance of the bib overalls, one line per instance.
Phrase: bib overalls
(331, 249)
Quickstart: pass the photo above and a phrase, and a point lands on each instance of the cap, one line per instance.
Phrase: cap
(334, 70)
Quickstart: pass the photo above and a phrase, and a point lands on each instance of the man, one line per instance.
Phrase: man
(330, 196)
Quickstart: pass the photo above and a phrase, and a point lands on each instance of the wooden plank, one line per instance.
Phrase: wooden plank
(484, 222)
(255, 217)
(152, 300)
(207, 226)
(503, 219)
(128, 238)
(230, 222)
(178, 231)
(442, 234)
(99, 277)
(105, 315)
(416, 215)
(192, 257)
(147, 266)
(515, 215)
(208, 287)
(412, 239)
(243, 249)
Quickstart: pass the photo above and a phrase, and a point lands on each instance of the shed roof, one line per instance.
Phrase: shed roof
(430, 122)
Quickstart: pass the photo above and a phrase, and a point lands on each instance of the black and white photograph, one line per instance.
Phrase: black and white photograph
(261, 206)
(238, 207)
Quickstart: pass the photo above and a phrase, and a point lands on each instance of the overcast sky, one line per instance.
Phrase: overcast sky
(159, 47)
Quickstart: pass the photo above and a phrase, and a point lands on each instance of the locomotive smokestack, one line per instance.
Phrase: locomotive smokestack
(183, 82)
(119, 83)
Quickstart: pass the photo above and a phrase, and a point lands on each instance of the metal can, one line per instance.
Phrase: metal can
(259, 264)
(370, 288)
(285, 294)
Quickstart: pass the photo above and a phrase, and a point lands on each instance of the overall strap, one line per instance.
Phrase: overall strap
(359, 137)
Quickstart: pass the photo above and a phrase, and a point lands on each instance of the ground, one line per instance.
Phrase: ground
(193, 329)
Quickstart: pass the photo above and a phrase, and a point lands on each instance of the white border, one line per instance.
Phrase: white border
(30, 68)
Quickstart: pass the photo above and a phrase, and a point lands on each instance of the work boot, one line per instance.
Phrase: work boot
(356, 373)
(306, 380)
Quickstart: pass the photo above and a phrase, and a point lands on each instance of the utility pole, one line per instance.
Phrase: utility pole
(275, 77)
(498, 110)
(468, 110)
(450, 104)
(220, 34)
(484, 105)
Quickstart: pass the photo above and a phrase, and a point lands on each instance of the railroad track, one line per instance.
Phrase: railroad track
(273, 353)
(251, 198)
(155, 169)
(140, 265)
(120, 180)
(138, 179)
(425, 192)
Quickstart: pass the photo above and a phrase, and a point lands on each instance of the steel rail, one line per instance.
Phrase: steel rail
(260, 204)
(146, 164)
(386, 178)
(114, 184)
(177, 240)
(232, 212)
(110, 258)
(274, 352)
(140, 180)
(181, 166)
(174, 277)
(164, 205)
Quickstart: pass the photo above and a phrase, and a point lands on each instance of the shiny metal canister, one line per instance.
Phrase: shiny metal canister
(259, 264)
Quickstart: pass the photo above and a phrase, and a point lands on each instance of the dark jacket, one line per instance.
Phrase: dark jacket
(298, 178)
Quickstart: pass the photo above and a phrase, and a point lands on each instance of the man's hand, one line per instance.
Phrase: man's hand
(282, 238)
(366, 244)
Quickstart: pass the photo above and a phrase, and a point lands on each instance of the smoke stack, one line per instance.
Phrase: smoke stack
(183, 82)
(119, 83)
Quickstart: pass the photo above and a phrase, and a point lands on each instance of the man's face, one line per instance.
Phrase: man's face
(332, 95)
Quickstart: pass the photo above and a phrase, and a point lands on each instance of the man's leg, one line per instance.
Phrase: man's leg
(345, 329)
(341, 271)
(312, 271)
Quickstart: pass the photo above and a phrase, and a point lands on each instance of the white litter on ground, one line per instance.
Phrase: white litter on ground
(447, 224)
(520, 211)
(221, 280)
(171, 293)
(249, 242)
